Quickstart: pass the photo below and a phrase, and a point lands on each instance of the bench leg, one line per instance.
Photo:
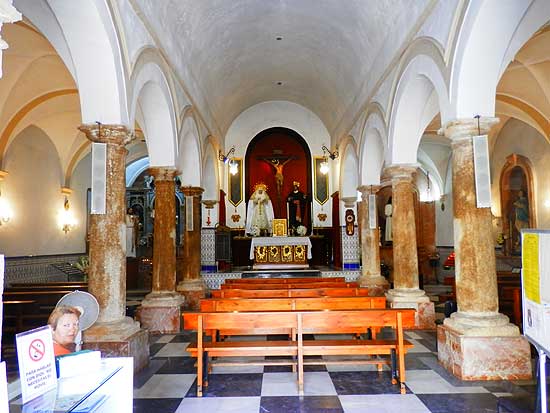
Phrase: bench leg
(393, 367)
(206, 367)
(369, 334)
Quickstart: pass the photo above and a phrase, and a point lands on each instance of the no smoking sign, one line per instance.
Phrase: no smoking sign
(37, 349)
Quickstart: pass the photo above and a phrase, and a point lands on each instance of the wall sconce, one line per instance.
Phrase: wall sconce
(5, 211)
(67, 220)
(228, 158)
(323, 167)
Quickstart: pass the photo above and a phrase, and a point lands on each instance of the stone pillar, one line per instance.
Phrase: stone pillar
(477, 342)
(406, 292)
(160, 310)
(113, 334)
(370, 247)
(190, 282)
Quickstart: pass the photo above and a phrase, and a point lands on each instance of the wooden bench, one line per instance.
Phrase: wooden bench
(291, 280)
(302, 322)
(273, 286)
(292, 292)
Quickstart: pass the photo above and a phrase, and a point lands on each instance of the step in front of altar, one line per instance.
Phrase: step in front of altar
(281, 273)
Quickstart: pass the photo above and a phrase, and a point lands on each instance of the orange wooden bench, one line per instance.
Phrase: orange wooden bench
(273, 286)
(292, 292)
(302, 322)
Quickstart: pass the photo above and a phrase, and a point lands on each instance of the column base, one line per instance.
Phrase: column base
(160, 312)
(489, 357)
(122, 338)
(193, 291)
(417, 299)
(377, 285)
(481, 324)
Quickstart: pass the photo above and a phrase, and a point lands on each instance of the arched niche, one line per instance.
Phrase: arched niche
(516, 176)
(284, 145)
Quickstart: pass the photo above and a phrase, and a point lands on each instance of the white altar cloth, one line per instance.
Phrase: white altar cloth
(268, 241)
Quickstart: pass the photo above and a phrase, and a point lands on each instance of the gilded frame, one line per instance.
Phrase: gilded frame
(279, 227)
(235, 191)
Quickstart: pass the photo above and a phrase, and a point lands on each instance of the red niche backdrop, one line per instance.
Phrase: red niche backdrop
(275, 152)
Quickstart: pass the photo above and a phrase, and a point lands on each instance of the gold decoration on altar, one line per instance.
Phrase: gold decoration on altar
(279, 227)
(287, 253)
(260, 254)
(299, 253)
(274, 255)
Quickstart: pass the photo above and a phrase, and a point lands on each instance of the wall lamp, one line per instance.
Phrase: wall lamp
(5, 210)
(228, 159)
(67, 221)
(323, 167)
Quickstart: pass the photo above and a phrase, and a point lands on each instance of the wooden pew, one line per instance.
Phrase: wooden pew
(302, 322)
(50, 284)
(326, 284)
(291, 280)
(291, 292)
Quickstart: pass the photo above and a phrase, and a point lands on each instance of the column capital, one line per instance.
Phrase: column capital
(367, 190)
(163, 173)
(192, 190)
(465, 128)
(114, 134)
(403, 171)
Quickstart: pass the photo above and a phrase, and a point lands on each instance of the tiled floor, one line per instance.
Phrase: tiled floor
(168, 385)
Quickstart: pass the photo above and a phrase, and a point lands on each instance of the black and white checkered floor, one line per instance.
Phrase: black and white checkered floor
(169, 385)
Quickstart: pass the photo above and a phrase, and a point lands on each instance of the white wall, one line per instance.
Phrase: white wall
(33, 189)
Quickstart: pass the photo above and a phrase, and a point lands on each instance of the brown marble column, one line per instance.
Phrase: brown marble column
(406, 291)
(190, 283)
(477, 342)
(113, 334)
(370, 247)
(160, 310)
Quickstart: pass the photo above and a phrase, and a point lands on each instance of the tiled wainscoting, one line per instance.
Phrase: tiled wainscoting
(37, 269)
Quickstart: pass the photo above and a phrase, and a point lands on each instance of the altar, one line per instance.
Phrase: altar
(280, 252)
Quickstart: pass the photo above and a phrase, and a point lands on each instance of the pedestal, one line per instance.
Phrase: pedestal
(160, 313)
(417, 299)
(129, 341)
(483, 357)
(193, 291)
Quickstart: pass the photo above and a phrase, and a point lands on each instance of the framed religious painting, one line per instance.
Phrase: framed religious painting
(279, 227)
(236, 184)
(320, 181)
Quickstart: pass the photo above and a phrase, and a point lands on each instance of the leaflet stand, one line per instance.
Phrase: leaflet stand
(535, 289)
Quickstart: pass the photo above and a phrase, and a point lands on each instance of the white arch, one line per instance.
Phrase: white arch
(349, 170)
(150, 90)
(134, 169)
(372, 147)
(92, 53)
(436, 181)
(420, 94)
(491, 34)
(210, 174)
(189, 154)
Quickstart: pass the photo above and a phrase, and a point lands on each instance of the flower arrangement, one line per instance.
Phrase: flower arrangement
(301, 230)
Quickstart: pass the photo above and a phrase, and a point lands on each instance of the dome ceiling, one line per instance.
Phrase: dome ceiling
(326, 55)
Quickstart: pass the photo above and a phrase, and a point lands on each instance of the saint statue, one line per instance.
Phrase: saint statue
(259, 213)
(521, 216)
(132, 229)
(388, 211)
(296, 207)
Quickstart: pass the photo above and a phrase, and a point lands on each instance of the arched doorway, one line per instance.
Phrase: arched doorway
(517, 201)
(287, 149)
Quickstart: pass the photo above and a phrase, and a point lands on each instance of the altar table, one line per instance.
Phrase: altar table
(280, 252)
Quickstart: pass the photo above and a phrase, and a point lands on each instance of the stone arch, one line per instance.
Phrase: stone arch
(152, 93)
(135, 168)
(490, 36)
(419, 94)
(372, 146)
(349, 170)
(189, 154)
(84, 34)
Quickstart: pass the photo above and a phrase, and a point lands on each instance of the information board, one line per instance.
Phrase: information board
(36, 360)
(536, 287)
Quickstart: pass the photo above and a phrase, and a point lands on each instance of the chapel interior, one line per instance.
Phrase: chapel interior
(134, 136)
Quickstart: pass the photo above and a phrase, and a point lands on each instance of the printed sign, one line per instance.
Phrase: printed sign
(36, 362)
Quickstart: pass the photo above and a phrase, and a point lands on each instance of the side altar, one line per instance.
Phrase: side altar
(280, 252)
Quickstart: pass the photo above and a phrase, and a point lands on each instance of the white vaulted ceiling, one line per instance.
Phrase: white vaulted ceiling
(331, 54)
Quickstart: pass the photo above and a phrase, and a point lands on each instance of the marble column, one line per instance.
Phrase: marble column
(477, 342)
(370, 246)
(160, 311)
(406, 292)
(190, 283)
(113, 334)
